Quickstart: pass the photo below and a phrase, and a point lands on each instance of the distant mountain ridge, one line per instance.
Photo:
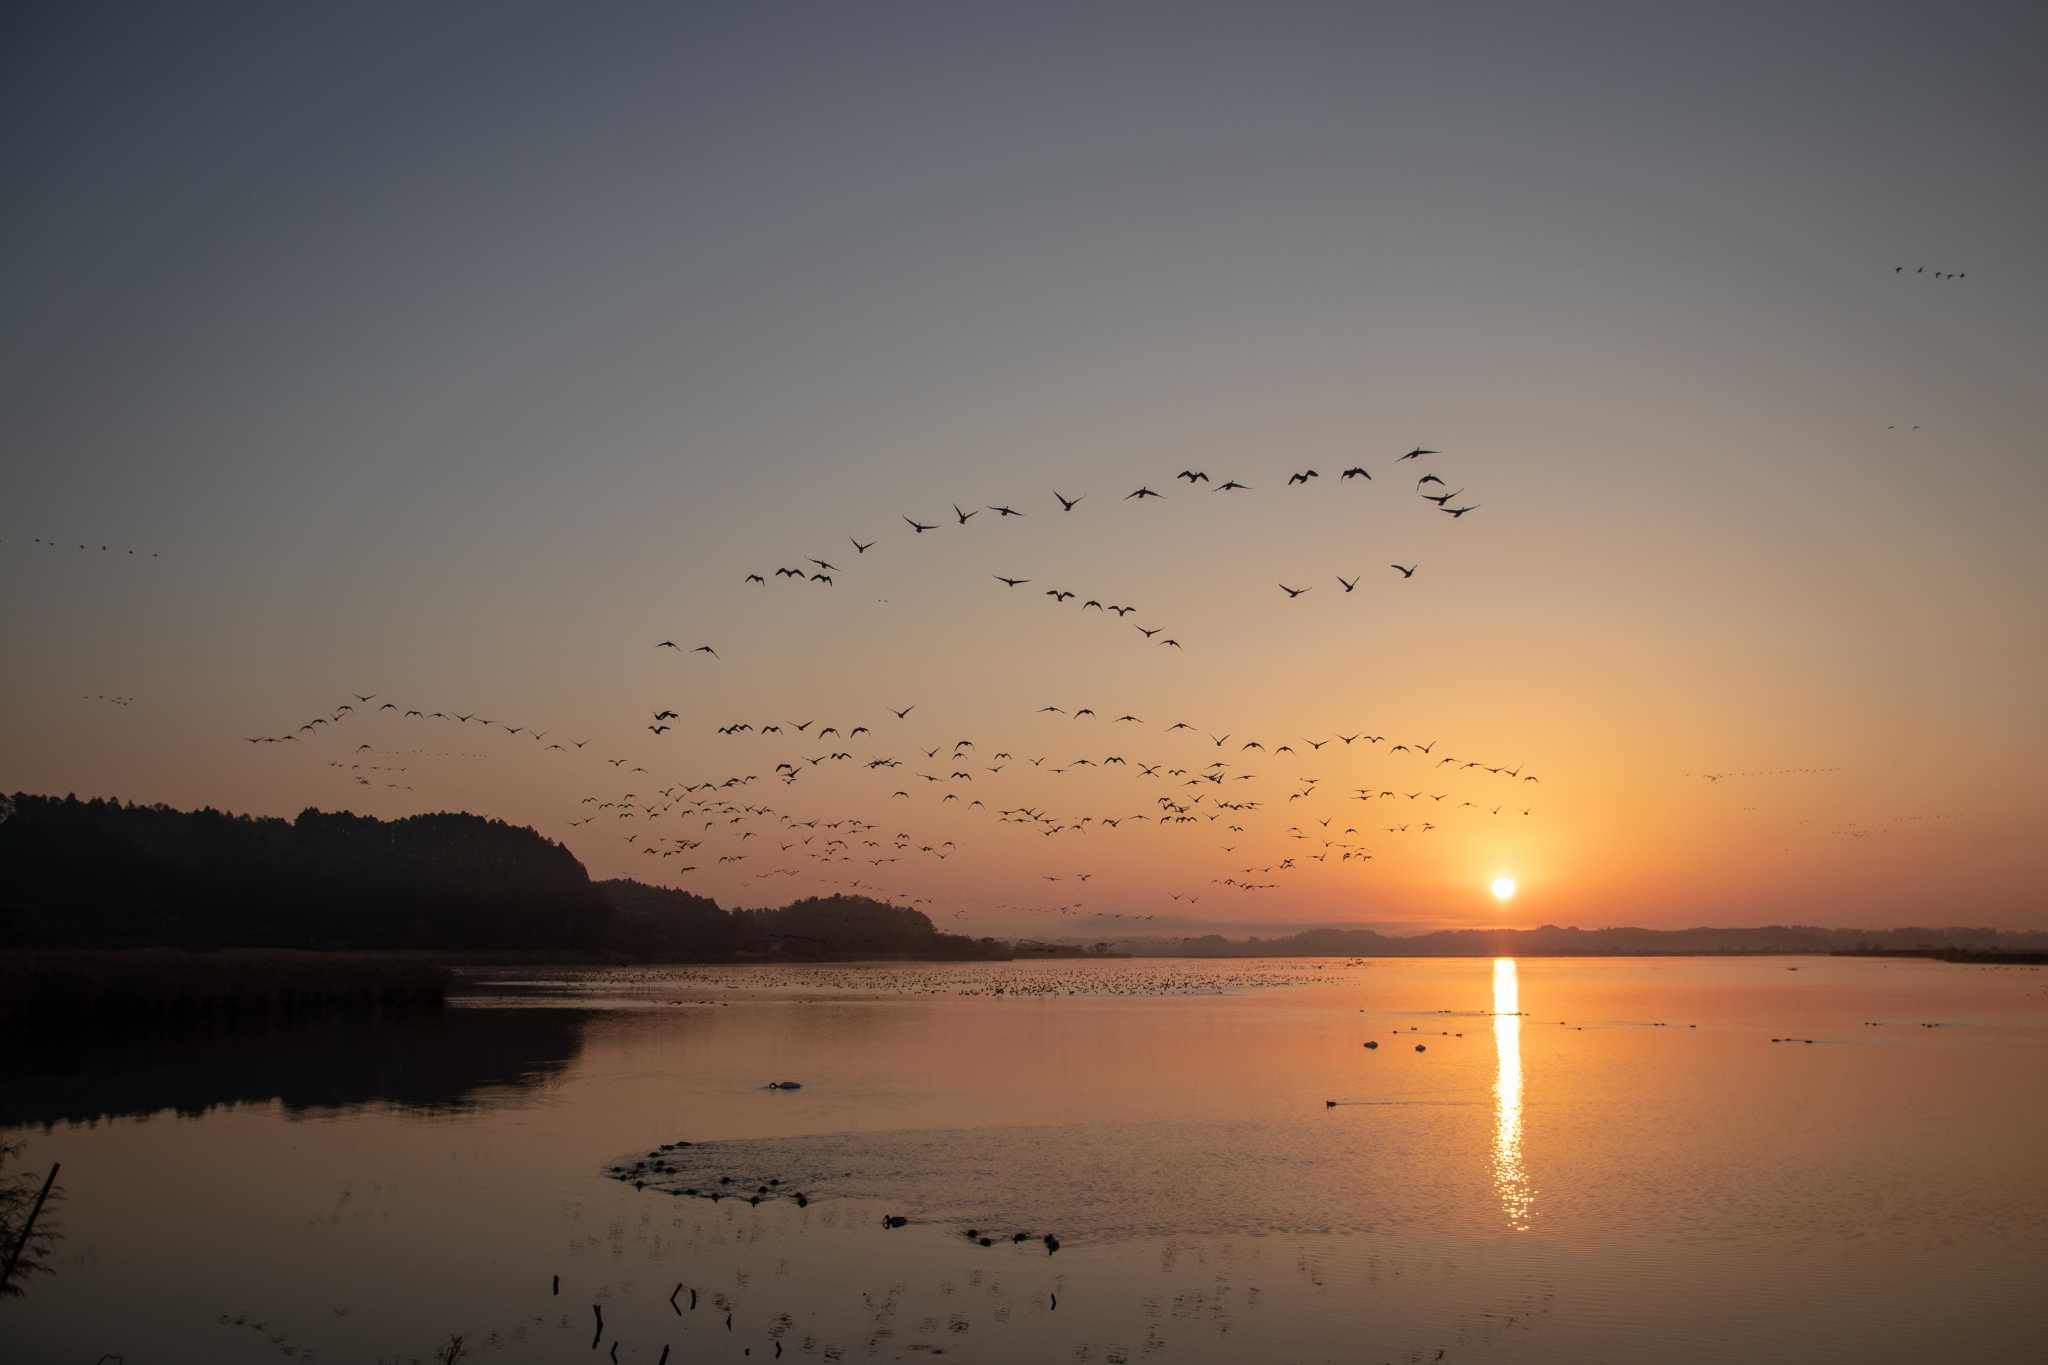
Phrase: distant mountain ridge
(105, 874)
(1550, 940)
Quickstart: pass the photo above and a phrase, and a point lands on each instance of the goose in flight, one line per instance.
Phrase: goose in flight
(965, 515)
(1066, 503)
(1428, 478)
(1357, 471)
(659, 729)
(1350, 584)
(1148, 634)
(918, 526)
(905, 711)
(1193, 476)
(756, 578)
(1406, 570)
(1230, 486)
(668, 644)
(1418, 451)
(1002, 511)
(1303, 477)
(1458, 511)
(1441, 498)
(1009, 582)
(1058, 594)
(1172, 642)
(1141, 494)
(859, 548)
(705, 649)
(1292, 593)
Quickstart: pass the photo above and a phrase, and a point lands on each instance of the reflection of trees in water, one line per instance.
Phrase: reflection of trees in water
(450, 1062)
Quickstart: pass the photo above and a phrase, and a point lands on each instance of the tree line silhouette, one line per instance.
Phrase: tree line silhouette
(102, 873)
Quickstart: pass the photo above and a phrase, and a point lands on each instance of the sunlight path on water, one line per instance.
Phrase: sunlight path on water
(1510, 1180)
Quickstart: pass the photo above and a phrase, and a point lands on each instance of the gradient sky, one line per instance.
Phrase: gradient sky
(461, 356)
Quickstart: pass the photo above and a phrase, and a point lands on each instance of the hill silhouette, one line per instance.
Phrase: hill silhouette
(103, 873)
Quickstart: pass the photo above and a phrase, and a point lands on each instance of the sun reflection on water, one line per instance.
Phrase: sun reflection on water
(1510, 1180)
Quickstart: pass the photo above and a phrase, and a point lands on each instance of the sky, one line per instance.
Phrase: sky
(459, 355)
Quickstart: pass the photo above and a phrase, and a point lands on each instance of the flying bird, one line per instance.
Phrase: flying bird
(1141, 494)
(705, 649)
(1292, 593)
(859, 548)
(1406, 570)
(1066, 503)
(1230, 486)
(1009, 582)
(1003, 511)
(965, 515)
(1350, 584)
(1417, 452)
(1303, 477)
(1358, 471)
(1193, 476)
(918, 526)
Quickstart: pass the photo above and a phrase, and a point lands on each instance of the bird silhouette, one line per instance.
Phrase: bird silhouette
(1350, 584)
(1193, 476)
(965, 515)
(1405, 570)
(1067, 503)
(919, 526)
(1292, 593)
(1142, 493)
(1419, 451)
(1003, 511)
(1010, 582)
(859, 548)
(1358, 471)
(1303, 477)
(1230, 485)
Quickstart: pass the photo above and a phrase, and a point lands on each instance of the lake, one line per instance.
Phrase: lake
(1544, 1160)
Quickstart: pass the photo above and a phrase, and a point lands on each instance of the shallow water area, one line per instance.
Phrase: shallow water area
(1586, 1160)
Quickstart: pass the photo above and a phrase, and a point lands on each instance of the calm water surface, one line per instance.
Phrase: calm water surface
(1591, 1161)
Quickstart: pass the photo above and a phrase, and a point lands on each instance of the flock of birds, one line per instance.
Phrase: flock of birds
(693, 824)
(1430, 487)
(49, 543)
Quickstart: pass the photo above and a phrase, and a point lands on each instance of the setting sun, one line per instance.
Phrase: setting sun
(1503, 888)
